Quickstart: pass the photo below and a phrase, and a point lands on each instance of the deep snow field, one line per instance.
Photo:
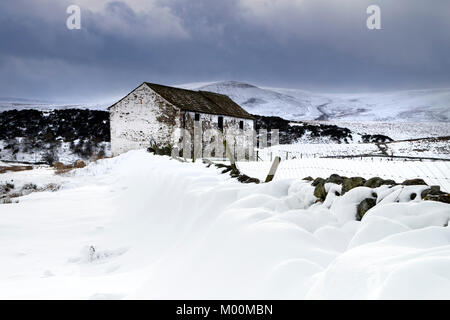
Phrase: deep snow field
(425, 148)
(395, 130)
(147, 227)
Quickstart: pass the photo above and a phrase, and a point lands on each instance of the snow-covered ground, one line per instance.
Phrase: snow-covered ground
(425, 148)
(431, 148)
(41, 175)
(143, 226)
(396, 130)
(316, 150)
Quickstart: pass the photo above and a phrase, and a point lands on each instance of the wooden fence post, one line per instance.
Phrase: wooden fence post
(273, 169)
(230, 156)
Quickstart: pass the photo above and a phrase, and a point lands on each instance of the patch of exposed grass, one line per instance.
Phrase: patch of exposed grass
(15, 169)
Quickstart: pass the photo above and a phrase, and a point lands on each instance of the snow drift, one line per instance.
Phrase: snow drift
(147, 227)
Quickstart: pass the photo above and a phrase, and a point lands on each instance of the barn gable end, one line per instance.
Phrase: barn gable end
(142, 116)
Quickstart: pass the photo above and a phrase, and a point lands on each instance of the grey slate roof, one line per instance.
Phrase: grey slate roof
(200, 101)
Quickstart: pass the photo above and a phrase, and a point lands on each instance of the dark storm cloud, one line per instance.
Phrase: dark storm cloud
(312, 44)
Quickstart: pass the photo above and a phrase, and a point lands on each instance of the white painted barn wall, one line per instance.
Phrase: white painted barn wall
(135, 121)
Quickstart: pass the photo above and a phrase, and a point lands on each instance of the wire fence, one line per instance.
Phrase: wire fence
(432, 172)
(347, 151)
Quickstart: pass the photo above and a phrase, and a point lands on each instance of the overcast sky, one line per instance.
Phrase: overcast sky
(319, 45)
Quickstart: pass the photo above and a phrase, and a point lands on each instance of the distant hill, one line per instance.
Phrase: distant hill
(7, 104)
(406, 106)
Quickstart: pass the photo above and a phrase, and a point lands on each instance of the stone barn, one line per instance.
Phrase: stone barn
(155, 113)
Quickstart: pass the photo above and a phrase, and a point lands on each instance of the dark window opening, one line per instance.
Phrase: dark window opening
(220, 123)
(241, 125)
(197, 117)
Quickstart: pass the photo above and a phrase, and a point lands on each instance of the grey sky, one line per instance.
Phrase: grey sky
(309, 44)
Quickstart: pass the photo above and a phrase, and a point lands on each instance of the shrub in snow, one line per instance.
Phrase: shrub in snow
(5, 188)
(79, 164)
(50, 187)
(50, 157)
(15, 194)
(94, 254)
(59, 165)
(29, 186)
(6, 200)
(375, 138)
(161, 150)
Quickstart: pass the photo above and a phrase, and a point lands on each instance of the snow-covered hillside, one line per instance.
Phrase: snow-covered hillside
(293, 104)
(395, 129)
(26, 104)
(297, 105)
(143, 226)
(59, 135)
(268, 102)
